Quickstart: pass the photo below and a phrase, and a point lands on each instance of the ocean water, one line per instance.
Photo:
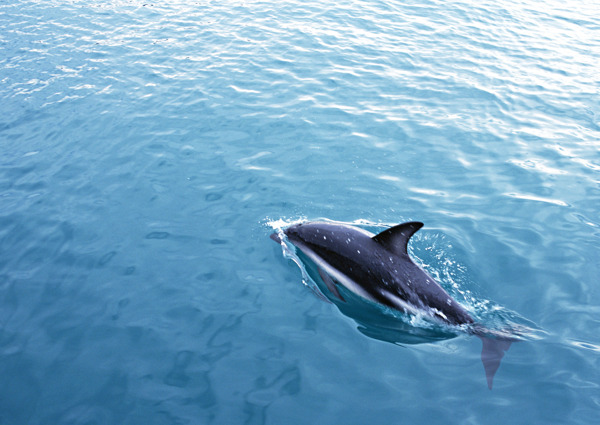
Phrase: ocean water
(148, 150)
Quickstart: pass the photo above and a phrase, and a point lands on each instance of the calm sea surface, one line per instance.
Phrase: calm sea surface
(148, 149)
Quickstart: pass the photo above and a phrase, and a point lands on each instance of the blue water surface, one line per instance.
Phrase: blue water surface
(149, 148)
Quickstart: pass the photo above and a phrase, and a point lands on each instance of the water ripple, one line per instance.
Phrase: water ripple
(143, 144)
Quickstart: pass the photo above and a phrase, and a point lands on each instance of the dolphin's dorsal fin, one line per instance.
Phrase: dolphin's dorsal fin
(395, 239)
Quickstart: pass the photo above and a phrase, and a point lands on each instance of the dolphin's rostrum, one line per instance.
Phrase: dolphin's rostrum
(378, 268)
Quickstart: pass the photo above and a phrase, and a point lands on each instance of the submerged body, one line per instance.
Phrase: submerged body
(378, 268)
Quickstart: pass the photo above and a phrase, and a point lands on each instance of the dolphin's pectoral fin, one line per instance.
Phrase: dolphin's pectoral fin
(395, 239)
(330, 284)
(491, 356)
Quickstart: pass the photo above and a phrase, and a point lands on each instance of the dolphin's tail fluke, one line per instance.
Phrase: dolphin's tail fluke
(492, 353)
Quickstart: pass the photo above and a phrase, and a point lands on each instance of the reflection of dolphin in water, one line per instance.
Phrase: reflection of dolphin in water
(378, 268)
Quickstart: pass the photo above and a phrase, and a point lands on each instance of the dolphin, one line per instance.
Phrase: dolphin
(379, 269)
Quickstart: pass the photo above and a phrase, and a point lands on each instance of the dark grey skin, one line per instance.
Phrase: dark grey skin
(378, 268)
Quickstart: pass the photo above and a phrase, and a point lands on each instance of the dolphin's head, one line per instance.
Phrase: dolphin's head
(312, 233)
(295, 233)
(323, 234)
